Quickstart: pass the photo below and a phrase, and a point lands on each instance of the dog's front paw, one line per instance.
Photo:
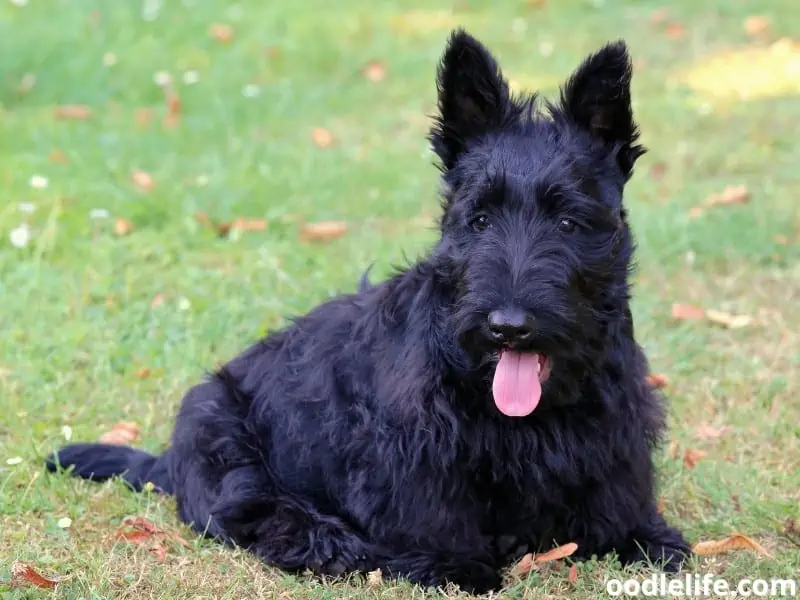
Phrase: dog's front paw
(658, 543)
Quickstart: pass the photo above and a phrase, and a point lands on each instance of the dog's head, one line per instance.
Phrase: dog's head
(534, 231)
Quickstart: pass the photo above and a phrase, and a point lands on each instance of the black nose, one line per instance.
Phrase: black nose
(510, 326)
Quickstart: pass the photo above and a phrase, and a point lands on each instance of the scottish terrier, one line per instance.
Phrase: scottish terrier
(488, 400)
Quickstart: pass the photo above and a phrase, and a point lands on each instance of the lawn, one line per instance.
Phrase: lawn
(122, 121)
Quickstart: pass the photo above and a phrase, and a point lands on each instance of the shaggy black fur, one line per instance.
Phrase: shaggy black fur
(366, 435)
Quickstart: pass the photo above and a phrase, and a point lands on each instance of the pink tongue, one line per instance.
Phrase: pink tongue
(516, 387)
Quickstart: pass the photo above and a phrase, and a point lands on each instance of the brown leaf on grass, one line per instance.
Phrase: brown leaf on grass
(143, 373)
(23, 574)
(728, 320)
(756, 26)
(732, 194)
(322, 137)
(243, 224)
(660, 506)
(735, 541)
(322, 231)
(696, 212)
(657, 381)
(572, 576)
(122, 226)
(173, 103)
(159, 551)
(142, 180)
(524, 565)
(691, 457)
(221, 32)
(375, 71)
(687, 312)
(708, 432)
(674, 30)
(374, 578)
(57, 156)
(736, 504)
(144, 116)
(223, 229)
(157, 301)
(658, 16)
(657, 171)
(75, 112)
(564, 551)
(121, 434)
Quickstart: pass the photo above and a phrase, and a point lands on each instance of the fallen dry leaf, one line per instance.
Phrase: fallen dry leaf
(121, 434)
(756, 26)
(572, 576)
(144, 116)
(142, 180)
(657, 381)
(657, 171)
(322, 231)
(122, 226)
(524, 566)
(728, 320)
(23, 574)
(557, 553)
(674, 31)
(76, 112)
(375, 71)
(57, 156)
(691, 457)
(143, 373)
(159, 551)
(249, 224)
(732, 194)
(687, 312)
(221, 32)
(660, 506)
(696, 212)
(374, 578)
(708, 432)
(781, 240)
(157, 301)
(322, 137)
(173, 102)
(735, 541)
(658, 16)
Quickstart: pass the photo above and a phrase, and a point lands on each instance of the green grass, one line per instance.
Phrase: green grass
(76, 323)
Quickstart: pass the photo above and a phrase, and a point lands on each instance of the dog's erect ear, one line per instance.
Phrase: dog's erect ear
(473, 97)
(598, 99)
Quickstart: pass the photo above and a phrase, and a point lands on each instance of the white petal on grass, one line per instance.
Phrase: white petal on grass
(201, 180)
(191, 77)
(20, 236)
(39, 182)
(109, 59)
(162, 78)
(14, 460)
(251, 90)
(64, 523)
(546, 48)
(19, 2)
(66, 431)
(184, 304)
(98, 213)
(26, 207)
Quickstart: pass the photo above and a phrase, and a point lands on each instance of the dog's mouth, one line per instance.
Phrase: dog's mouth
(518, 379)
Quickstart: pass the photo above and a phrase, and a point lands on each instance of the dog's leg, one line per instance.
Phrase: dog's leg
(654, 541)
(473, 574)
(225, 489)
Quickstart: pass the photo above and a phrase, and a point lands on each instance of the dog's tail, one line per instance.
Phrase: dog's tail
(100, 462)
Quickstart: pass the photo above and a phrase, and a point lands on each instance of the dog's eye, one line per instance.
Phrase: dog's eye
(567, 225)
(480, 222)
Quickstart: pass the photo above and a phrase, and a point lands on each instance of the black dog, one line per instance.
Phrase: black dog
(488, 398)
